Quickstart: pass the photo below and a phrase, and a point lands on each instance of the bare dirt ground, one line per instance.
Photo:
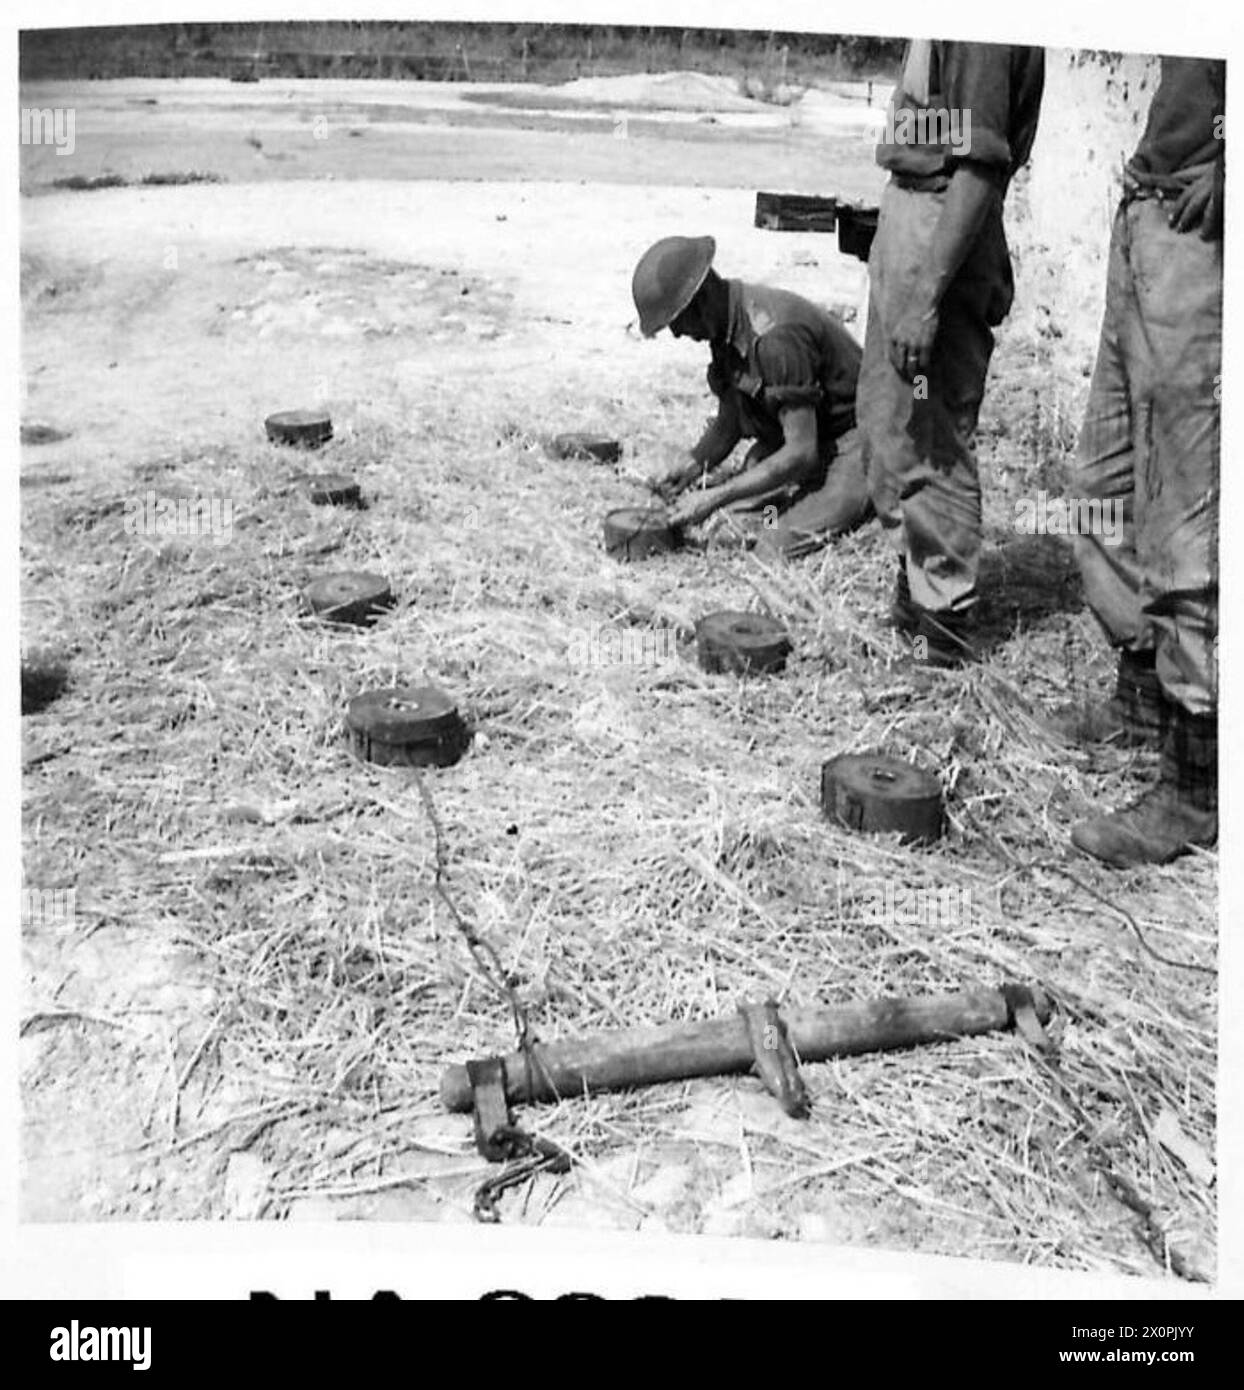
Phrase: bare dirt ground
(249, 1010)
(284, 130)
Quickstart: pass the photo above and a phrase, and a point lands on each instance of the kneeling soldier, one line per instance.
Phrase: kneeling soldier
(784, 372)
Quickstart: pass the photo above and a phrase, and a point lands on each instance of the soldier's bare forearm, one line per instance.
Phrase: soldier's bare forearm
(715, 445)
(786, 465)
(973, 191)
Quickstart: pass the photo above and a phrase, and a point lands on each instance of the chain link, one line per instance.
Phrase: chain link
(526, 1154)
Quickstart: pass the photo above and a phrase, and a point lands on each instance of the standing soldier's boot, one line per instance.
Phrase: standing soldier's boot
(940, 639)
(1180, 813)
(904, 615)
(943, 639)
(1135, 716)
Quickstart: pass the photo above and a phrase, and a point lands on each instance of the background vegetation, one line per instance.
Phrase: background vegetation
(444, 52)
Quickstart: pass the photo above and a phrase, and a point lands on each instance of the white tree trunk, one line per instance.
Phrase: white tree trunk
(1062, 206)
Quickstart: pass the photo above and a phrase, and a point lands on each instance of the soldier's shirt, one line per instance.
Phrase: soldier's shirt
(782, 351)
(963, 102)
(1184, 133)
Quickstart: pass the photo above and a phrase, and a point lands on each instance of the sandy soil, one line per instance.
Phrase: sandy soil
(283, 130)
(190, 290)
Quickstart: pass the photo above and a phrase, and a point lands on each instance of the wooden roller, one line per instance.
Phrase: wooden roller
(678, 1051)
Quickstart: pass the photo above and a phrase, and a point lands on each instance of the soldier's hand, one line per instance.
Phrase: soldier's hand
(1212, 223)
(692, 510)
(1199, 205)
(674, 483)
(911, 342)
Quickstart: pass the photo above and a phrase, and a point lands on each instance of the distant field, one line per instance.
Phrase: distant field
(445, 52)
(286, 130)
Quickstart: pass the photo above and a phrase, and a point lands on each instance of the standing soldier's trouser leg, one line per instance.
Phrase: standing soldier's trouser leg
(918, 435)
(1159, 372)
(1105, 474)
(1150, 449)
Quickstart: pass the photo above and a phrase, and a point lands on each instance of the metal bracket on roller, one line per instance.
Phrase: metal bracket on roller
(500, 1140)
(1023, 1015)
(493, 1121)
(775, 1060)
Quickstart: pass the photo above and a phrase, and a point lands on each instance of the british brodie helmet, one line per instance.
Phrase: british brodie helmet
(667, 278)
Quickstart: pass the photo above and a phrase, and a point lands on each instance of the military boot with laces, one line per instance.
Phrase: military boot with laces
(904, 615)
(1136, 715)
(939, 638)
(1179, 814)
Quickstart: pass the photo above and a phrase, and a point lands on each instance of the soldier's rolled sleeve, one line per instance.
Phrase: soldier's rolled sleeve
(976, 78)
(788, 369)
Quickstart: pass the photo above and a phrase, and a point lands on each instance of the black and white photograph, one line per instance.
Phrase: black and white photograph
(618, 629)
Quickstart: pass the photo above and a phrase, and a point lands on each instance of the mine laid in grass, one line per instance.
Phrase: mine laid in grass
(634, 533)
(333, 490)
(880, 795)
(407, 726)
(593, 448)
(355, 597)
(45, 678)
(39, 433)
(742, 643)
(305, 429)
